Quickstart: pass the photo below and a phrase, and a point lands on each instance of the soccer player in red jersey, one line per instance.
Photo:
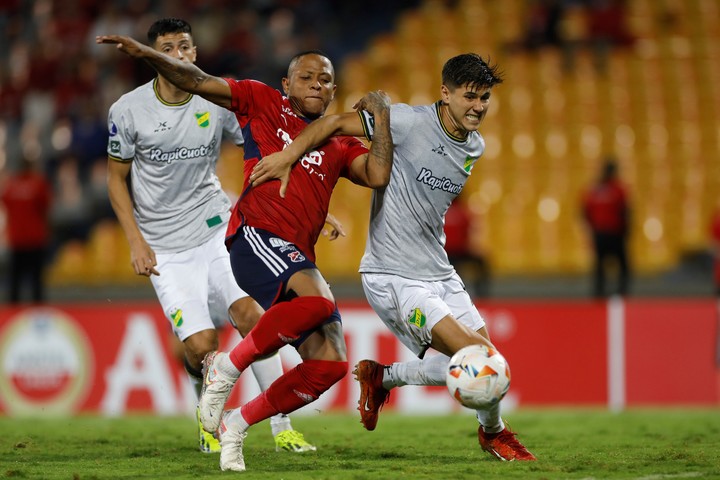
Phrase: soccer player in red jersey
(271, 239)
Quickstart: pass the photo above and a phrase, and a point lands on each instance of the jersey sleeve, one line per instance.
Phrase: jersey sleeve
(121, 131)
(247, 96)
(352, 148)
(401, 122)
(231, 127)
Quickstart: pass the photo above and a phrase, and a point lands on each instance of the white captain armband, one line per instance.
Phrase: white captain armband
(368, 123)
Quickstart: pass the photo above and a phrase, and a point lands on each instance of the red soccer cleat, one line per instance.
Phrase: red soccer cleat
(372, 393)
(504, 446)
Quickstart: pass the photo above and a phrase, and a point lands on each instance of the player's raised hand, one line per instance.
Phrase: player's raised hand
(336, 228)
(373, 102)
(274, 166)
(126, 45)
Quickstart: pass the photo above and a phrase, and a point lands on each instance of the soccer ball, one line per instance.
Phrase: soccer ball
(478, 376)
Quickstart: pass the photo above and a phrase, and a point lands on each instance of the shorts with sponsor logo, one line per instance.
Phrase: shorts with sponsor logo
(196, 287)
(263, 263)
(411, 308)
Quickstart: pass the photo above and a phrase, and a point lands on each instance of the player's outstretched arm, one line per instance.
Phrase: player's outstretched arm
(184, 75)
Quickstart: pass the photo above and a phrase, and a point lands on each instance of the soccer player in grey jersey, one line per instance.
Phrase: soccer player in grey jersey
(406, 274)
(168, 142)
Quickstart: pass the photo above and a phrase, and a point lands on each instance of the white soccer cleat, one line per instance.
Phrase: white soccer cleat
(231, 454)
(215, 392)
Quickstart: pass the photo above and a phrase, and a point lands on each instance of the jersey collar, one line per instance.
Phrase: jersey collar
(447, 132)
(169, 104)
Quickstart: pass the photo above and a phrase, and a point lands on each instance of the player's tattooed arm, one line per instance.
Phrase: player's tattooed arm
(184, 75)
(378, 164)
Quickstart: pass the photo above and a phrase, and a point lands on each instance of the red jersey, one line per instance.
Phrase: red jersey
(605, 208)
(27, 203)
(457, 229)
(269, 124)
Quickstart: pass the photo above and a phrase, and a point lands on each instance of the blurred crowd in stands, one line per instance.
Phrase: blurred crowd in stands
(56, 84)
(549, 23)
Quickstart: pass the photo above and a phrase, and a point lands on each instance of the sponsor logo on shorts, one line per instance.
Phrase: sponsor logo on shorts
(281, 244)
(417, 318)
(177, 317)
(296, 256)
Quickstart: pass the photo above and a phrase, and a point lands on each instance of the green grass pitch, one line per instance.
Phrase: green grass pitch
(569, 443)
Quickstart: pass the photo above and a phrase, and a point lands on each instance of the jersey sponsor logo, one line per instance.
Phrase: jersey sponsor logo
(469, 163)
(445, 184)
(417, 318)
(182, 153)
(203, 119)
(310, 161)
(115, 147)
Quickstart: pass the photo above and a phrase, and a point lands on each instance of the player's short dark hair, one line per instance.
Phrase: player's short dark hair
(299, 55)
(167, 25)
(470, 69)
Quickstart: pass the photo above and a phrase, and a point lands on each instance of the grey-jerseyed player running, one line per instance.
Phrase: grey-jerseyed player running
(406, 274)
(168, 142)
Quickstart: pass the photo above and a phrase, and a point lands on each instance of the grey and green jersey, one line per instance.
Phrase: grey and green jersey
(430, 167)
(174, 150)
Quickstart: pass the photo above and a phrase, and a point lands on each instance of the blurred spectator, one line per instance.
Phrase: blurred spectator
(71, 210)
(26, 197)
(470, 264)
(607, 28)
(715, 239)
(606, 210)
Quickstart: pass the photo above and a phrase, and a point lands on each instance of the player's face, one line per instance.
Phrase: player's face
(310, 85)
(177, 45)
(466, 108)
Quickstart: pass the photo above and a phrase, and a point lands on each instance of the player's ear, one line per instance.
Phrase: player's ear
(285, 85)
(445, 94)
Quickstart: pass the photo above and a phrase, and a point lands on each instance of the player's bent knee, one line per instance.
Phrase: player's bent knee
(245, 314)
(200, 344)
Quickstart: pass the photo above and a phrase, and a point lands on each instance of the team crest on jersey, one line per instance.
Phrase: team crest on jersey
(469, 163)
(177, 317)
(296, 256)
(203, 119)
(417, 318)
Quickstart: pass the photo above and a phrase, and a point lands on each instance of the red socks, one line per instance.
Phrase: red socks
(298, 387)
(281, 324)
